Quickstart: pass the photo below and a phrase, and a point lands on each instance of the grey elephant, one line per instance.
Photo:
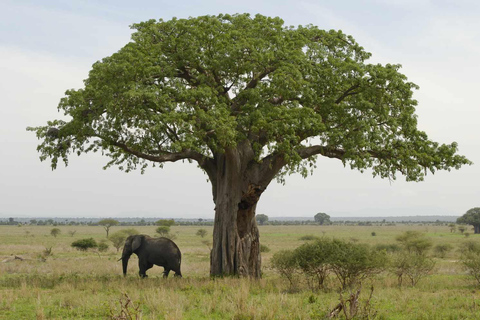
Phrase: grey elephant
(162, 252)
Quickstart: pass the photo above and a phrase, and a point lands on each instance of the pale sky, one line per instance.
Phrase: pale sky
(47, 47)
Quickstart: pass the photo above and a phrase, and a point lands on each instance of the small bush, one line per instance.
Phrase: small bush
(264, 248)
(102, 246)
(471, 262)
(374, 234)
(314, 258)
(412, 266)
(352, 262)
(415, 242)
(201, 233)
(390, 248)
(163, 230)
(308, 237)
(84, 244)
(442, 249)
(55, 232)
(285, 263)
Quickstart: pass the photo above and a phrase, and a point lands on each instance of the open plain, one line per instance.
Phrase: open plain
(72, 284)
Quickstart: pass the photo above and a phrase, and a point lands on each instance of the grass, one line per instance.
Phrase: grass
(72, 284)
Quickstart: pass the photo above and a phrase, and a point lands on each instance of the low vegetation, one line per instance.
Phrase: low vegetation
(43, 277)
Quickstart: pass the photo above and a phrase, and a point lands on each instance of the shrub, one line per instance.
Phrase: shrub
(308, 237)
(414, 242)
(163, 230)
(442, 249)
(374, 234)
(285, 263)
(471, 262)
(84, 244)
(201, 233)
(314, 259)
(264, 248)
(412, 266)
(118, 238)
(352, 262)
(390, 248)
(102, 246)
(55, 232)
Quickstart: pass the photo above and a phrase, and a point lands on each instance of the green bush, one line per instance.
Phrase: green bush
(201, 233)
(442, 249)
(390, 248)
(55, 232)
(264, 248)
(353, 262)
(118, 238)
(471, 262)
(350, 262)
(308, 237)
(102, 246)
(314, 259)
(411, 266)
(84, 244)
(285, 263)
(163, 230)
(414, 242)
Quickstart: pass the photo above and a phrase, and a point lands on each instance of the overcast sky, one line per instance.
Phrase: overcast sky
(47, 47)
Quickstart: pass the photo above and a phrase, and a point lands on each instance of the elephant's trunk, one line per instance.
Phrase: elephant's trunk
(125, 264)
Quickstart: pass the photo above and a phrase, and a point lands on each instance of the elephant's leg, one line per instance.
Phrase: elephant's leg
(166, 271)
(142, 266)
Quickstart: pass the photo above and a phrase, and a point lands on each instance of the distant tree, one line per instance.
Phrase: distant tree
(471, 217)
(163, 230)
(72, 232)
(118, 238)
(55, 232)
(461, 229)
(322, 218)
(165, 222)
(414, 242)
(84, 244)
(261, 218)
(201, 232)
(108, 223)
(453, 227)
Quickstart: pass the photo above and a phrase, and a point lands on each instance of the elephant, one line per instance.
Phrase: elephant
(160, 251)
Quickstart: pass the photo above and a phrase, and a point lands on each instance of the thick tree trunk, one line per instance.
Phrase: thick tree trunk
(236, 246)
(476, 228)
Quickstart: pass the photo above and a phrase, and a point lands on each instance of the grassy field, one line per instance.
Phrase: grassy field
(72, 284)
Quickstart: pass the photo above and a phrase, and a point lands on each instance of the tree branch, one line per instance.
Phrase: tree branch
(329, 152)
(347, 93)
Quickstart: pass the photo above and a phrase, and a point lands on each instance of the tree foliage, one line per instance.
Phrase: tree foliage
(471, 217)
(108, 223)
(187, 88)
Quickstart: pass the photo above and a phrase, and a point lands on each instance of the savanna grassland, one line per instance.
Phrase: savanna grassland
(71, 284)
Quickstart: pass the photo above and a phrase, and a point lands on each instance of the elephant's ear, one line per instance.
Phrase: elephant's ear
(137, 241)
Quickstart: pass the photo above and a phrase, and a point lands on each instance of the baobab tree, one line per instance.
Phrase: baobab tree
(249, 100)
